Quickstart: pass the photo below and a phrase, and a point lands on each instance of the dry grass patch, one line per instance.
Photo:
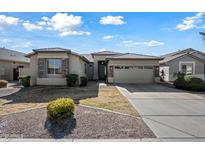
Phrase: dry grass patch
(110, 98)
(19, 107)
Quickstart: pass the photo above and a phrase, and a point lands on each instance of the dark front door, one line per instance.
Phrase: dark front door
(15, 74)
(101, 70)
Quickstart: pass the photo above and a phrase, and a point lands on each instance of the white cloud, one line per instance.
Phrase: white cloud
(152, 43)
(5, 41)
(30, 26)
(8, 21)
(69, 33)
(108, 37)
(190, 22)
(112, 20)
(127, 41)
(23, 45)
(65, 24)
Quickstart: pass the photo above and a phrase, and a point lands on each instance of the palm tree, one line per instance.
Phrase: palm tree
(203, 34)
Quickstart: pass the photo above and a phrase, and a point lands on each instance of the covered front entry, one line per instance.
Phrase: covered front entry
(101, 70)
(133, 74)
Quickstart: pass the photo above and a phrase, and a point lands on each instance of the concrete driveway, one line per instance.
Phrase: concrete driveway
(170, 113)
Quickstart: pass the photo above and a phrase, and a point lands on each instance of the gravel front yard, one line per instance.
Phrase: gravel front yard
(86, 124)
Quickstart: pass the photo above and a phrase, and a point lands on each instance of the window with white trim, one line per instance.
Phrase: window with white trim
(187, 68)
(54, 66)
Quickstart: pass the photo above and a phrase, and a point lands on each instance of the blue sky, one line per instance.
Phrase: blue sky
(144, 33)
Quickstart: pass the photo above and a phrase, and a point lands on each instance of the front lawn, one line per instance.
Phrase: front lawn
(110, 98)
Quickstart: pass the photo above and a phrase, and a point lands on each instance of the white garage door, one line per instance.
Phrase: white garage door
(133, 74)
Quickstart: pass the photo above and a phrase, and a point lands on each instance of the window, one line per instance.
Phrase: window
(187, 68)
(139, 67)
(148, 67)
(54, 66)
(118, 67)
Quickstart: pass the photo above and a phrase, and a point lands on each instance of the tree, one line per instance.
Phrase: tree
(203, 34)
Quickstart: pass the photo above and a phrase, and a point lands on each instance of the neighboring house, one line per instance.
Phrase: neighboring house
(49, 66)
(125, 68)
(10, 62)
(188, 61)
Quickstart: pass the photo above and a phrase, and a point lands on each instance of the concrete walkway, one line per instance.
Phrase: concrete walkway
(171, 114)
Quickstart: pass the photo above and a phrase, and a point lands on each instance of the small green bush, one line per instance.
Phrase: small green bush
(83, 81)
(71, 80)
(61, 108)
(3, 83)
(25, 80)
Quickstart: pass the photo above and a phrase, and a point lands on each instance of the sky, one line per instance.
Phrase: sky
(141, 33)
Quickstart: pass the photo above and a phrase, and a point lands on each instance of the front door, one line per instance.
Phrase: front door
(15, 74)
(101, 70)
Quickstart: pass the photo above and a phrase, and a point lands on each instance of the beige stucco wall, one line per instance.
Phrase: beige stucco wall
(52, 55)
(76, 66)
(51, 81)
(6, 69)
(32, 70)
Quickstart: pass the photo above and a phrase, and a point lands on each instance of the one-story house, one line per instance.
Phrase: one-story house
(10, 63)
(188, 61)
(49, 66)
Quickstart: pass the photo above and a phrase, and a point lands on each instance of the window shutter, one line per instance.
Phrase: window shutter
(65, 66)
(41, 67)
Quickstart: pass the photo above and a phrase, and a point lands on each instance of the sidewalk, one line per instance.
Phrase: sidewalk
(108, 140)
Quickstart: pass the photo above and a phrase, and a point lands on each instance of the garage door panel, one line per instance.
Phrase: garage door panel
(133, 75)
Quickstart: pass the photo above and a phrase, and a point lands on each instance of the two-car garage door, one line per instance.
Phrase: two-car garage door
(133, 74)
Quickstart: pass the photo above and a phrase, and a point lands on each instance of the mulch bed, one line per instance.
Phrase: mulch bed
(86, 124)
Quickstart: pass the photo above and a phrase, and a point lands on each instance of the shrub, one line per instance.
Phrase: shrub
(61, 108)
(3, 83)
(190, 83)
(196, 84)
(71, 79)
(180, 83)
(83, 81)
(25, 80)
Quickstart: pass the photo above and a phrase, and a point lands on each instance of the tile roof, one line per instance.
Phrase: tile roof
(180, 53)
(133, 56)
(105, 53)
(11, 55)
(56, 49)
